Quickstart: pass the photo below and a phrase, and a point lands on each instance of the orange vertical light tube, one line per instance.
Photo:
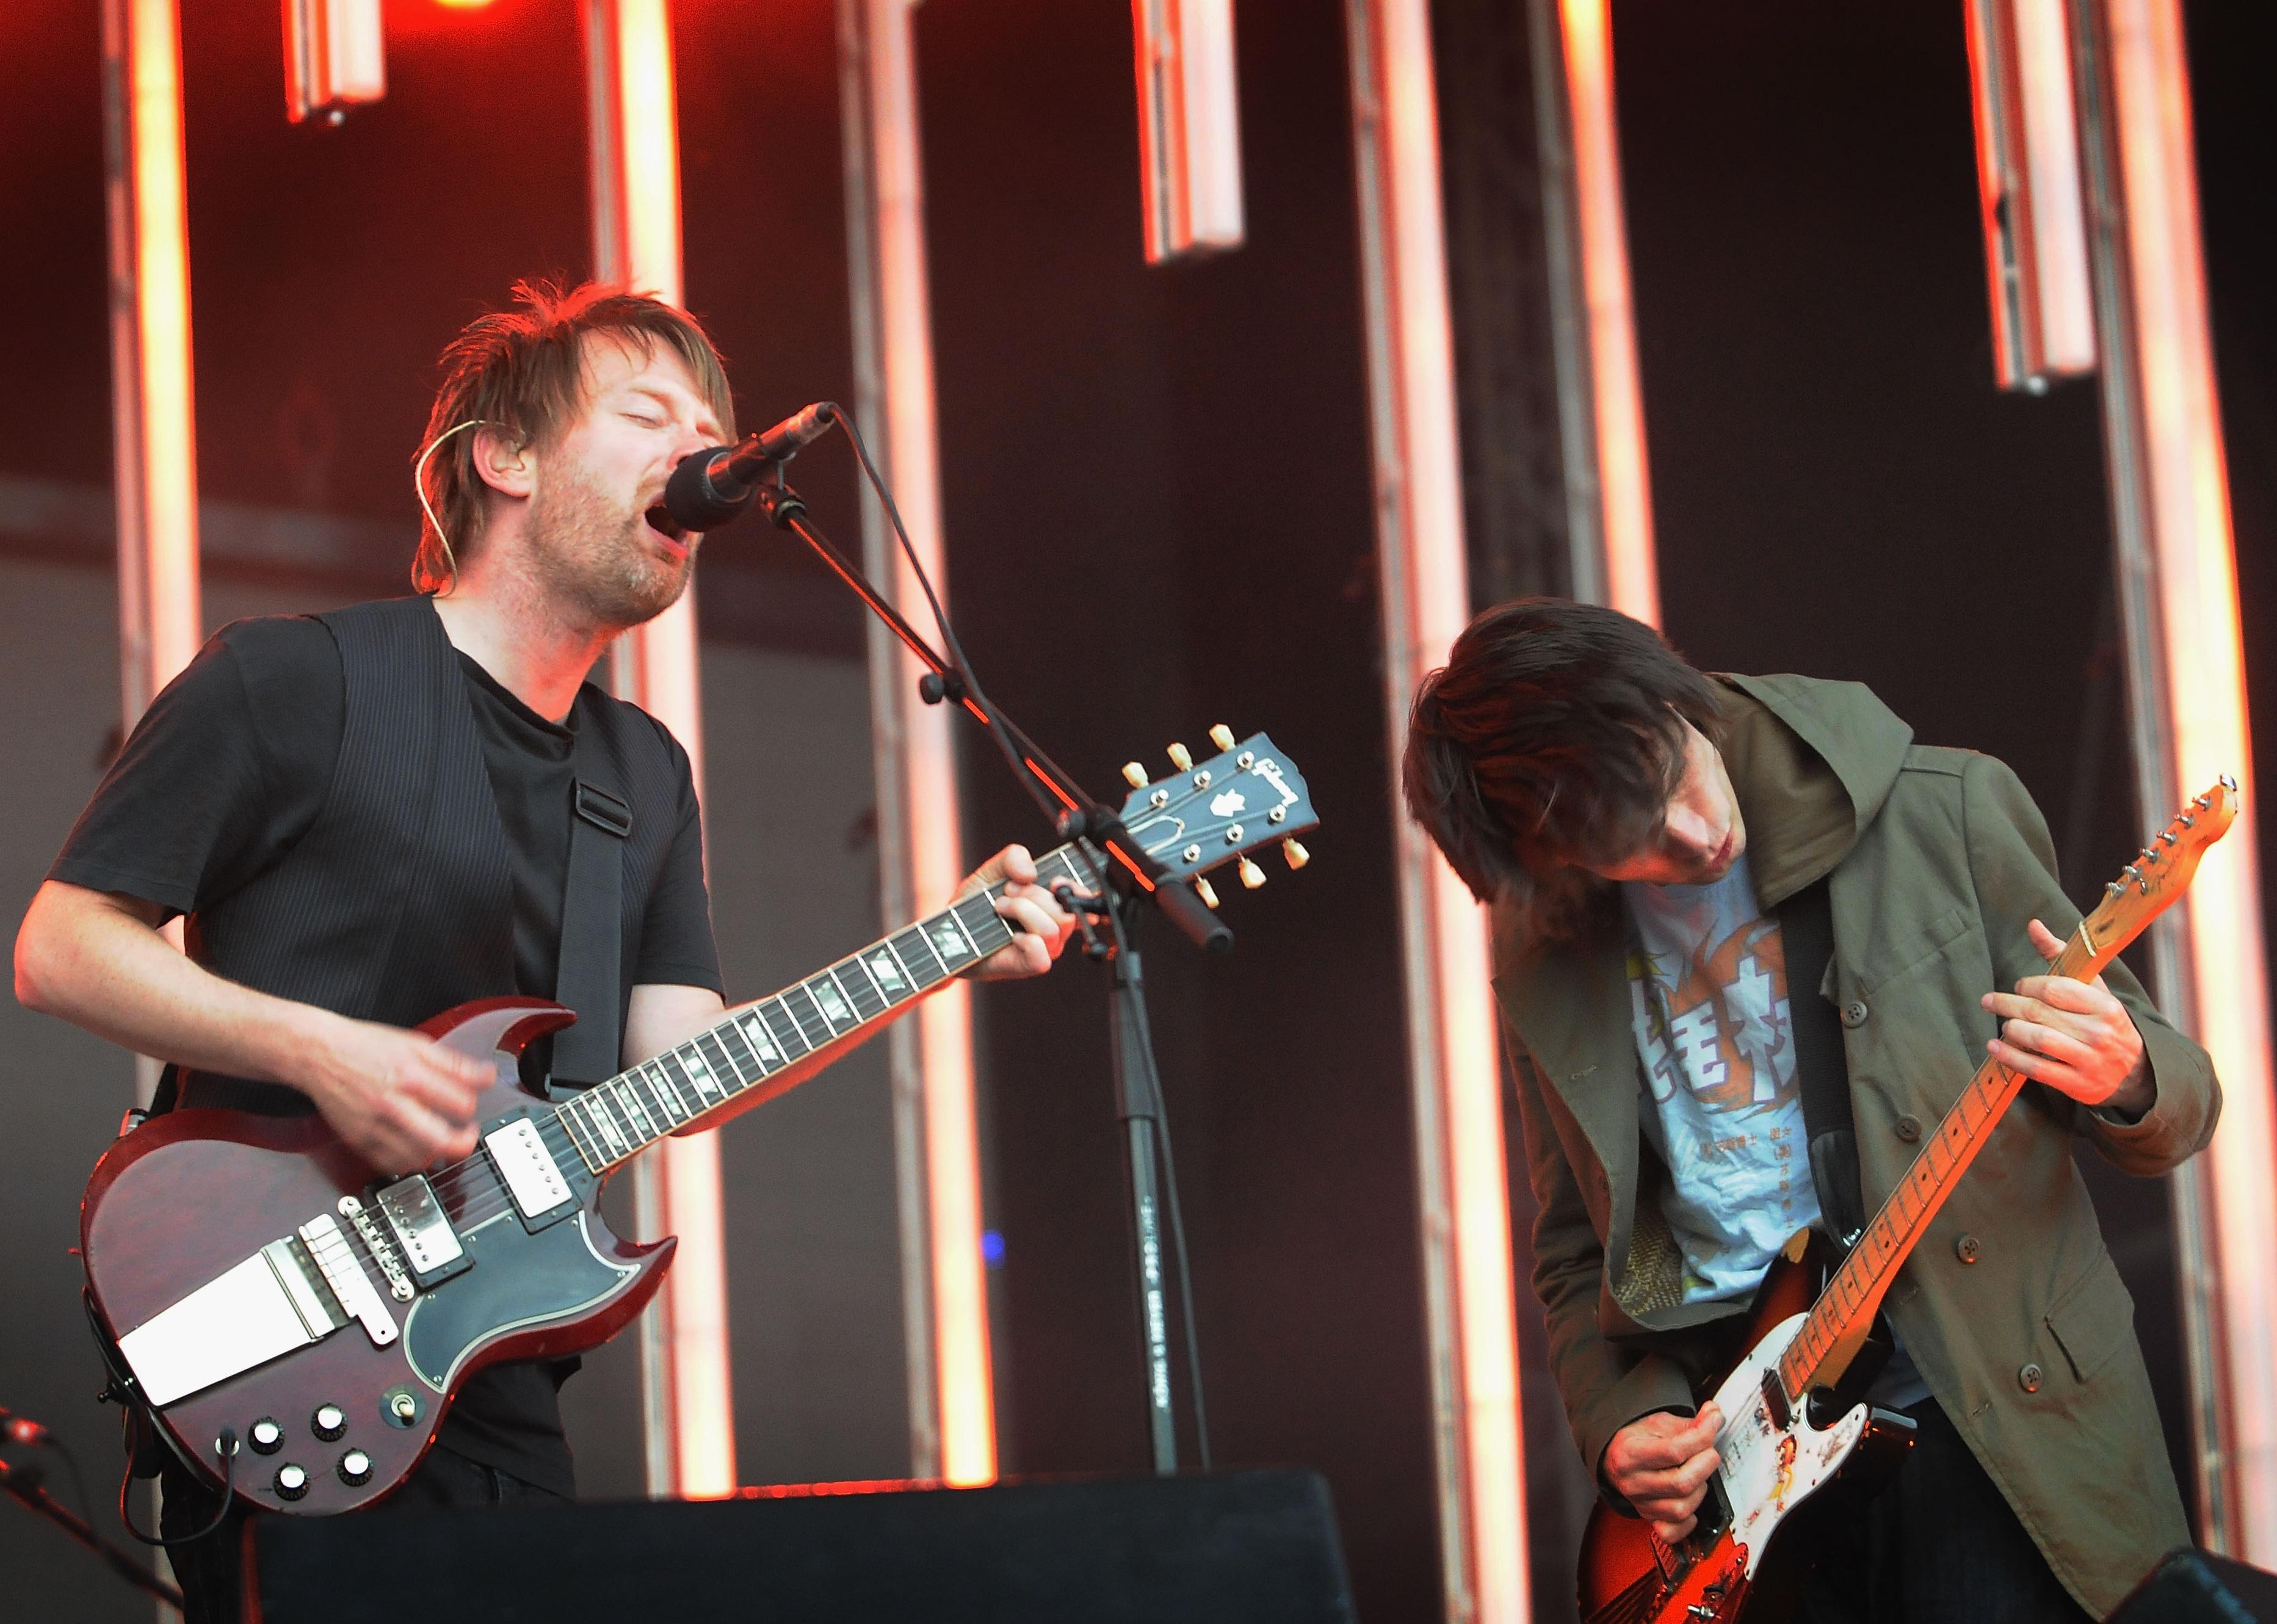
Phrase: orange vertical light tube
(1632, 576)
(1189, 126)
(2061, 288)
(898, 303)
(2182, 492)
(2029, 189)
(690, 1399)
(153, 419)
(1455, 1077)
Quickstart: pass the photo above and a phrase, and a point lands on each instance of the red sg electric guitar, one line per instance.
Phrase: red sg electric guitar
(1790, 1426)
(250, 1275)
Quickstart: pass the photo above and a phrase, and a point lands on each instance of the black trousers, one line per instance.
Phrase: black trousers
(1938, 1545)
(211, 1570)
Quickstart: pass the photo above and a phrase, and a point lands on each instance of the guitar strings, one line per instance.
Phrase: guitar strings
(482, 1194)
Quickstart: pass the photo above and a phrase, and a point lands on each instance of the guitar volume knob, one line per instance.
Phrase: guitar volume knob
(329, 1421)
(266, 1437)
(355, 1468)
(291, 1481)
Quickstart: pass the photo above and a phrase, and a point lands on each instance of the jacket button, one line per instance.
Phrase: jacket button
(1908, 1129)
(1966, 1248)
(1853, 1013)
(2029, 1378)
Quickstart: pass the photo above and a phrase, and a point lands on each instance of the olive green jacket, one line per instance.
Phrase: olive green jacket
(2010, 1306)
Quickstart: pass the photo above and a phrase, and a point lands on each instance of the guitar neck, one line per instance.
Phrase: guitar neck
(696, 1081)
(1845, 1310)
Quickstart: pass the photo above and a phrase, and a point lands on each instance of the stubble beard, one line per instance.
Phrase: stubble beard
(599, 563)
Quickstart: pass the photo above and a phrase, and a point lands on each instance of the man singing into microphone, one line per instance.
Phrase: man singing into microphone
(366, 817)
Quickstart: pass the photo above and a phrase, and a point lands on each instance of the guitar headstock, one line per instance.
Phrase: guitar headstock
(1212, 812)
(2149, 886)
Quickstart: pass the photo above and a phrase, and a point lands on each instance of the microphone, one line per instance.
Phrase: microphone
(716, 485)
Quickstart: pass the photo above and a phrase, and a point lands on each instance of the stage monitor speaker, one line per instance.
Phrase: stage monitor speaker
(1258, 1547)
(2194, 1587)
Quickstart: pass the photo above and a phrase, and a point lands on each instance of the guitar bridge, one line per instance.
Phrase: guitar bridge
(424, 1239)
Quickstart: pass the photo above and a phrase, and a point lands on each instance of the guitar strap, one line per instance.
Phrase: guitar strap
(590, 977)
(1807, 934)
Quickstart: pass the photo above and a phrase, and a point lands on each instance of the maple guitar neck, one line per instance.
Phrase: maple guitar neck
(1844, 1313)
(695, 1082)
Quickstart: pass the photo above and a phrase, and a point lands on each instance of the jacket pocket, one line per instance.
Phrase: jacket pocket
(2093, 1319)
(1895, 958)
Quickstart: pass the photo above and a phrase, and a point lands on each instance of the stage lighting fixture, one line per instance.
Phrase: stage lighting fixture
(1609, 479)
(687, 1389)
(1189, 126)
(2183, 619)
(2028, 181)
(1454, 1075)
(333, 57)
(936, 1131)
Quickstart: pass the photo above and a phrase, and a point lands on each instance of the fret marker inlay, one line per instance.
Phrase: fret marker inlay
(755, 1033)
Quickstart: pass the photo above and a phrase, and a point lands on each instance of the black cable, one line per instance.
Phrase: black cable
(963, 668)
(958, 664)
(227, 1446)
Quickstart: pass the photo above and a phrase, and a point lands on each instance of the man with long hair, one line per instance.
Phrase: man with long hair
(367, 818)
(1648, 837)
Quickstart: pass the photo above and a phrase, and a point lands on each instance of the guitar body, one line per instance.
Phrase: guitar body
(1770, 1466)
(193, 1194)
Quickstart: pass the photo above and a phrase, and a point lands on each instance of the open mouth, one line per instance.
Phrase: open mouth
(661, 523)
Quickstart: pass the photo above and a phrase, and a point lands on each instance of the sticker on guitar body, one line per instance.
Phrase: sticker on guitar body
(1768, 1469)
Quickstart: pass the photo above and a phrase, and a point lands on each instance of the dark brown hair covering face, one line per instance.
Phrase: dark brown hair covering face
(1552, 736)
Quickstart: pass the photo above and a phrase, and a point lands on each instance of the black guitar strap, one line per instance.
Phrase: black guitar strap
(1807, 934)
(591, 974)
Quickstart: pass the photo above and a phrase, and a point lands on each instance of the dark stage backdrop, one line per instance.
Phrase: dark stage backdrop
(1159, 517)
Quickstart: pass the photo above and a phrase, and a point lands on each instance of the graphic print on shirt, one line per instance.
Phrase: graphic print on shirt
(1716, 1024)
(1709, 1010)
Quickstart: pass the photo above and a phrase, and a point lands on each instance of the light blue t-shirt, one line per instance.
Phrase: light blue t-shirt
(1707, 1001)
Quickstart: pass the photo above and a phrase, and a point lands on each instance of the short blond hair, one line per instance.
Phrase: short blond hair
(522, 372)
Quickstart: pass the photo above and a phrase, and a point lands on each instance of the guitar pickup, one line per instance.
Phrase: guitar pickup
(532, 1175)
(428, 1246)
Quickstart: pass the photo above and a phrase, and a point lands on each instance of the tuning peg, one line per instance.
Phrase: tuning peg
(1297, 855)
(1221, 736)
(1134, 775)
(1181, 758)
(1251, 876)
(1203, 889)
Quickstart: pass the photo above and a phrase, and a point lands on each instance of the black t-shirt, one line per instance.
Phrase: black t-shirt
(232, 765)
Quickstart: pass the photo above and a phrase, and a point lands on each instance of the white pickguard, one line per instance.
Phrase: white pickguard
(1769, 1470)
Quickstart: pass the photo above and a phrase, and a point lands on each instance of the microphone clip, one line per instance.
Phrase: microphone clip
(935, 686)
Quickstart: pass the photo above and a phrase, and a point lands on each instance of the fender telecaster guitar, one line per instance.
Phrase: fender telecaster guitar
(1786, 1432)
(251, 1277)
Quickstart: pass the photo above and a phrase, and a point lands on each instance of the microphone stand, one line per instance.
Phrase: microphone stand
(22, 1484)
(1132, 878)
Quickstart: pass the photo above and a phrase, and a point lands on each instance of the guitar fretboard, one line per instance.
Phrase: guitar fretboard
(611, 1122)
